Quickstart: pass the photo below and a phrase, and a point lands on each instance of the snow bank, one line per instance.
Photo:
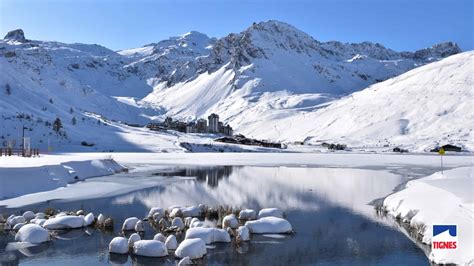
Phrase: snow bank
(32, 233)
(268, 212)
(272, 225)
(64, 222)
(208, 235)
(439, 199)
(192, 248)
(49, 177)
(150, 248)
(118, 245)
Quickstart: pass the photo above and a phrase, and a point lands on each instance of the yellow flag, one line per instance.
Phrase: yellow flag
(441, 151)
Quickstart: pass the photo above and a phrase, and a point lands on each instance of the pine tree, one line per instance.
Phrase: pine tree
(71, 110)
(73, 120)
(57, 125)
(50, 100)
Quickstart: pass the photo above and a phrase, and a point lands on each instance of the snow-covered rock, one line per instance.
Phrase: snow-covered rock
(160, 237)
(178, 222)
(64, 222)
(193, 211)
(192, 248)
(32, 233)
(139, 226)
(129, 224)
(38, 221)
(29, 215)
(271, 225)
(100, 219)
(267, 212)
(156, 210)
(13, 220)
(118, 245)
(40, 215)
(15, 35)
(230, 221)
(18, 226)
(171, 243)
(150, 248)
(243, 233)
(187, 221)
(176, 212)
(89, 219)
(208, 235)
(248, 214)
(132, 239)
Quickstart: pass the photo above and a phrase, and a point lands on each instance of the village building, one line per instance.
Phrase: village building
(201, 126)
(213, 123)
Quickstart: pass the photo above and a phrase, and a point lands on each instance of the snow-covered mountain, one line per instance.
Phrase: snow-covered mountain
(268, 68)
(425, 107)
(259, 81)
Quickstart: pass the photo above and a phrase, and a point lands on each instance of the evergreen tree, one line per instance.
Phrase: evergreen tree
(71, 110)
(74, 120)
(57, 125)
(50, 100)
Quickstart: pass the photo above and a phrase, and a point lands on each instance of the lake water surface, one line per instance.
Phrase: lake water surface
(329, 208)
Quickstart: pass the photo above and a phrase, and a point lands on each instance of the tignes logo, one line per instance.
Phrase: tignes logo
(445, 237)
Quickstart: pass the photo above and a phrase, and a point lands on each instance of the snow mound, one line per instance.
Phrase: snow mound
(271, 225)
(192, 248)
(268, 212)
(32, 233)
(243, 233)
(118, 245)
(193, 211)
(64, 222)
(208, 235)
(150, 248)
(171, 243)
(230, 221)
(132, 239)
(29, 215)
(156, 210)
(129, 224)
(248, 214)
(89, 219)
(160, 237)
(13, 220)
(178, 222)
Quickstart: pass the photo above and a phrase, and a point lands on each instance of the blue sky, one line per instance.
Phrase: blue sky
(118, 24)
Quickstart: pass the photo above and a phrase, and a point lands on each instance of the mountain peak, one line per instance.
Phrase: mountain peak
(437, 51)
(16, 35)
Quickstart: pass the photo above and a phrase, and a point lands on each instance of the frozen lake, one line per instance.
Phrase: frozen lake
(330, 209)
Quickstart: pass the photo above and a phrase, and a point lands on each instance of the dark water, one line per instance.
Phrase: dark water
(328, 209)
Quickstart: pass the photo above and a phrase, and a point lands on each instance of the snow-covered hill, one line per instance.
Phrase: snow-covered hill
(265, 81)
(429, 105)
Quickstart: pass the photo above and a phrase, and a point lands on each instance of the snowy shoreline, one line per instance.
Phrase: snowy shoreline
(19, 178)
(441, 198)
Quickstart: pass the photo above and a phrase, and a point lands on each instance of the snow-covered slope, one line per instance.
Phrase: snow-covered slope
(424, 107)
